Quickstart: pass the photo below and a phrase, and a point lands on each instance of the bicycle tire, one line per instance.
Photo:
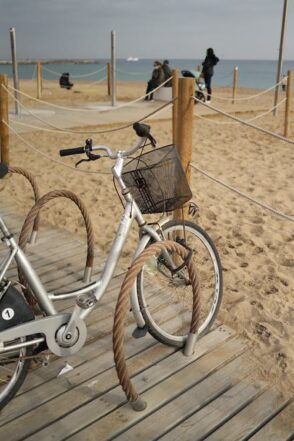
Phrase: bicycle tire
(208, 266)
(11, 380)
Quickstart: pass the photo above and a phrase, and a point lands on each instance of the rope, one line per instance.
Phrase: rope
(244, 195)
(122, 306)
(138, 99)
(82, 109)
(33, 213)
(75, 76)
(30, 146)
(267, 132)
(250, 96)
(245, 120)
(33, 182)
(96, 82)
(59, 129)
(73, 109)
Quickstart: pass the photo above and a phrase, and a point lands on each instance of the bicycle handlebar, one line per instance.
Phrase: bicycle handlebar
(72, 151)
(142, 130)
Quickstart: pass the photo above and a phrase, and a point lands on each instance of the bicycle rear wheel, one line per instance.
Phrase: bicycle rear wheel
(13, 370)
(166, 299)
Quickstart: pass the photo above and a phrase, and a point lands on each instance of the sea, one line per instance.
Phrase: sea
(259, 74)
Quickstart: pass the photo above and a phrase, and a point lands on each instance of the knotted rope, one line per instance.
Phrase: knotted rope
(122, 306)
(26, 228)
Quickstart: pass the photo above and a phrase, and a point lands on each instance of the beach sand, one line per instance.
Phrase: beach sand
(255, 246)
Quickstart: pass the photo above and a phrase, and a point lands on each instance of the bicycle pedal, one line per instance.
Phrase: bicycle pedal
(140, 332)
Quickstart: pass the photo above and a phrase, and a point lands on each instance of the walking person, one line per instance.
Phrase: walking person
(156, 79)
(208, 70)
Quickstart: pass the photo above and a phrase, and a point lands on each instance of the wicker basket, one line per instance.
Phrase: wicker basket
(157, 180)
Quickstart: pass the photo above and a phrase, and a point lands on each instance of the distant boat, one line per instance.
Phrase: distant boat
(133, 59)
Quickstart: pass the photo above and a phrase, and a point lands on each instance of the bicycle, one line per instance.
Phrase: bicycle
(22, 335)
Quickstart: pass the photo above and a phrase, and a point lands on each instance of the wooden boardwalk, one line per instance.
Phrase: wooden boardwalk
(212, 395)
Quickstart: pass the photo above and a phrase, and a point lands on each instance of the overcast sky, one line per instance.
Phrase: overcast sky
(236, 29)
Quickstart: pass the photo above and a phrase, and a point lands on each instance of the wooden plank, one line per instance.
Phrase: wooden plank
(50, 402)
(281, 427)
(175, 374)
(41, 264)
(87, 363)
(246, 422)
(214, 414)
(206, 403)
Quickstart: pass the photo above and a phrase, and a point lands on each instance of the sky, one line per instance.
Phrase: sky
(153, 29)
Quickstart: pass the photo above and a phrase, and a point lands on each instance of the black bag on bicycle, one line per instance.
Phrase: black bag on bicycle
(13, 308)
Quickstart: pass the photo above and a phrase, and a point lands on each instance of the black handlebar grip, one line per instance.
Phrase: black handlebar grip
(73, 151)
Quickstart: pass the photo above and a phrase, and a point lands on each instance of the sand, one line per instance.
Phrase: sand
(256, 246)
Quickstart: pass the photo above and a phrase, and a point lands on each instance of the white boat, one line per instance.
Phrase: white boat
(132, 59)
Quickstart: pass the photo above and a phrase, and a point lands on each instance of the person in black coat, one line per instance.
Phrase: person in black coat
(207, 70)
(167, 73)
(156, 79)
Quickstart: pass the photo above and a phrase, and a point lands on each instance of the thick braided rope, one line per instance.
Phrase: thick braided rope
(122, 305)
(33, 182)
(26, 228)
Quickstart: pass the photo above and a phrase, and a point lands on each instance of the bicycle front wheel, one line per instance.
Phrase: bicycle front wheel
(14, 366)
(165, 299)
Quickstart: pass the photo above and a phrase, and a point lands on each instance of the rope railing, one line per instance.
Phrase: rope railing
(45, 129)
(245, 120)
(75, 109)
(244, 195)
(31, 147)
(92, 83)
(59, 129)
(253, 126)
(75, 76)
(49, 158)
(57, 106)
(138, 99)
(249, 96)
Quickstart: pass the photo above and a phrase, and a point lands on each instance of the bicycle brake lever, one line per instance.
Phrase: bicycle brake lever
(152, 140)
(80, 161)
(91, 157)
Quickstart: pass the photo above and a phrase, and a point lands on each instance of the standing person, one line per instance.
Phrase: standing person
(167, 73)
(156, 79)
(207, 69)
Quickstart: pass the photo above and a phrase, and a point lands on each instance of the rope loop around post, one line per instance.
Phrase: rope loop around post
(122, 305)
(33, 182)
(33, 213)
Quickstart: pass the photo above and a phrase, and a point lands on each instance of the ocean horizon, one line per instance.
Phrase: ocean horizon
(259, 74)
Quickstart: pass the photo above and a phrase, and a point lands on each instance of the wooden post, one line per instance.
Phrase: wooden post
(108, 80)
(287, 129)
(235, 82)
(113, 68)
(4, 130)
(175, 89)
(39, 80)
(184, 127)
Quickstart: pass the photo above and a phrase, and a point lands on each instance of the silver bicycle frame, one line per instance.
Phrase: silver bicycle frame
(88, 296)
